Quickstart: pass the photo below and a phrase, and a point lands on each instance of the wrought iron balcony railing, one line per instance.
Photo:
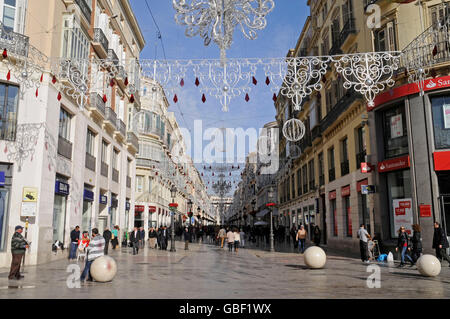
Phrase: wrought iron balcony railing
(90, 162)
(111, 116)
(321, 180)
(87, 12)
(104, 169)
(13, 42)
(99, 37)
(115, 175)
(97, 102)
(121, 127)
(64, 148)
(133, 140)
(349, 28)
(112, 56)
(340, 107)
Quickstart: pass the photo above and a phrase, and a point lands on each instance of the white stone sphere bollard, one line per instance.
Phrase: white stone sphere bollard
(315, 257)
(104, 269)
(429, 266)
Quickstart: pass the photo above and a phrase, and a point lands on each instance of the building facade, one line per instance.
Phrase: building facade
(66, 165)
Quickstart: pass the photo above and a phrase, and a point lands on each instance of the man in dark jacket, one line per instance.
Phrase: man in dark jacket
(18, 247)
(152, 236)
(142, 240)
(107, 236)
(187, 238)
(74, 236)
(440, 243)
(164, 238)
(135, 236)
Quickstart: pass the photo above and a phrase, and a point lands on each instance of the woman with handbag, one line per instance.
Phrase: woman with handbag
(403, 244)
(115, 237)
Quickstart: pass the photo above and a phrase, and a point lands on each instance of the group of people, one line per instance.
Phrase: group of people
(410, 248)
(234, 237)
(157, 237)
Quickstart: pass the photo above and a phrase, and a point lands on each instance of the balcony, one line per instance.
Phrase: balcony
(121, 128)
(112, 56)
(97, 105)
(111, 118)
(84, 9)
(345, 168)
(90, 162)
(64, 148)
(128, 182)
(360, 158)
(146, 163)
(104, 169)
(336, 47)
(100, 43)
(331, 175)
(340, 107)
(348, 31)
(321, 180)
(115, 175)
(133, 141)
(14, 43)
(312, 185)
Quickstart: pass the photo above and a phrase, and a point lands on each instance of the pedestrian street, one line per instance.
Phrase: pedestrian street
(207, 271)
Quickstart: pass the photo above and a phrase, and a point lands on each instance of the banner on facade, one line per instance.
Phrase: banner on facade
(402, 209)
(396, 126)
(28, 209)
(30, 194)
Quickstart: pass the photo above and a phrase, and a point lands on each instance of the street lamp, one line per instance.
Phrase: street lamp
(173, 209)
(189, 207)
(271, 205)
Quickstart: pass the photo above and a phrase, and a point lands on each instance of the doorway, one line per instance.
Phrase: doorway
(324, 218)
(102, 222)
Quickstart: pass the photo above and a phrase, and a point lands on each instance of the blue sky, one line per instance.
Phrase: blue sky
(284, 25)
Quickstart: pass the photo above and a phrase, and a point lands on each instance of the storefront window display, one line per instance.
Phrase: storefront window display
(395, 132)
(59, 210)
(441, 121)
(400, 201)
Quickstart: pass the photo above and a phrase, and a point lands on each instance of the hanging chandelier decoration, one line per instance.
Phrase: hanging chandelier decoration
(216, 20)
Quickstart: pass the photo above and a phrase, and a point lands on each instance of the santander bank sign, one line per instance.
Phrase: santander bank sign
(410, 89)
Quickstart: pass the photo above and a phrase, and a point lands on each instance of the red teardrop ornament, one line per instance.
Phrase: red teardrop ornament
(5, 54)
(59, 96)
(197, 82)
(132, 98)
(126, 81)
(267, 80)
(247, 98)
(37, 92)
(255, 82)
(182, 83)
(175, 99)
(8, 76)
(54, 79)
(111, 83)
(274, 98)
(105, 99)
(203, 98)
(42, 77)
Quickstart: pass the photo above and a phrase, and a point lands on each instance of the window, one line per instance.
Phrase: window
(321, 172)
(115, 160)
(312, 182)
(360, 146)
(395, 132)
(347, 11)
(324, 12)
(334, 221)
(305, 179)
(344, 157)
(139, 184)
(331, 172)
(347, 216)
(64, 124)
(439, 13)
(104, 152)
(299, 182)
(293, 185)
(325, 44)
(9, 14)
(75, 41)
(9, 102)
(441, 121)
(385, 38)
(90, 143)
(399, 187)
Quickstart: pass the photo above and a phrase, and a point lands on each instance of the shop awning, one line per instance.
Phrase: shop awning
(262, 213)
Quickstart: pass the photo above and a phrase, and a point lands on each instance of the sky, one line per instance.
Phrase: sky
(284, 25)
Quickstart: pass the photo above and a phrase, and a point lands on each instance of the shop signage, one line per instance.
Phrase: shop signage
(139, 208)
(152, 209)
(103, 199)
(2, 179)
(367, 189)
(332, 195)
(441, 161)
(425, 210)
(361, 183)
(396, 126)
(30, 194)
(410, 89)
(403, 216)
(29, 202)
(61, 188)
(366, 167)
(446, 110)
(345, 191)
(88, 195)
(127, 205)
(394, 164)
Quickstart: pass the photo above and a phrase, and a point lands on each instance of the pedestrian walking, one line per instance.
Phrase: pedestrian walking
(364, 237)
(416, 242)
(187, 238)
(222, 235)
(142, 238)
(74, 237)
(107, 237)
(115, 237)
(95, 250)
(440, 243)
(242, 235)
(158, 237)
(301, 238)
(230, 240)
(317, 235)
(18, 248)
(134, 238)
(152, 236)
(403, 245)
(164, 238)
(293, 234)
(237, 240)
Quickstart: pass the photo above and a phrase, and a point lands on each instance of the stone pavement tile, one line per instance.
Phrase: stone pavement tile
(207, 271)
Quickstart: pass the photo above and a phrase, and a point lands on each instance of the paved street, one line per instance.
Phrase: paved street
(207, 271)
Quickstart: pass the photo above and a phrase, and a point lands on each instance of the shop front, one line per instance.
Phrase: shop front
(151, 213)
(88, 199)
(139, 215)
(60, 209)
(346, 211)
(102, 217)
(127, 214)
(5, 188)
(333, 213)
(113, 211)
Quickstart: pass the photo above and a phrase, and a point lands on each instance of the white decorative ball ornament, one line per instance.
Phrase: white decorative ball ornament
(315, 257)
(294, 130)
(429, 266)
(104, 269)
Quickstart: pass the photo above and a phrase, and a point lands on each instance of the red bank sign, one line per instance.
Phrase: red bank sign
(394, 164)
(410, 89)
